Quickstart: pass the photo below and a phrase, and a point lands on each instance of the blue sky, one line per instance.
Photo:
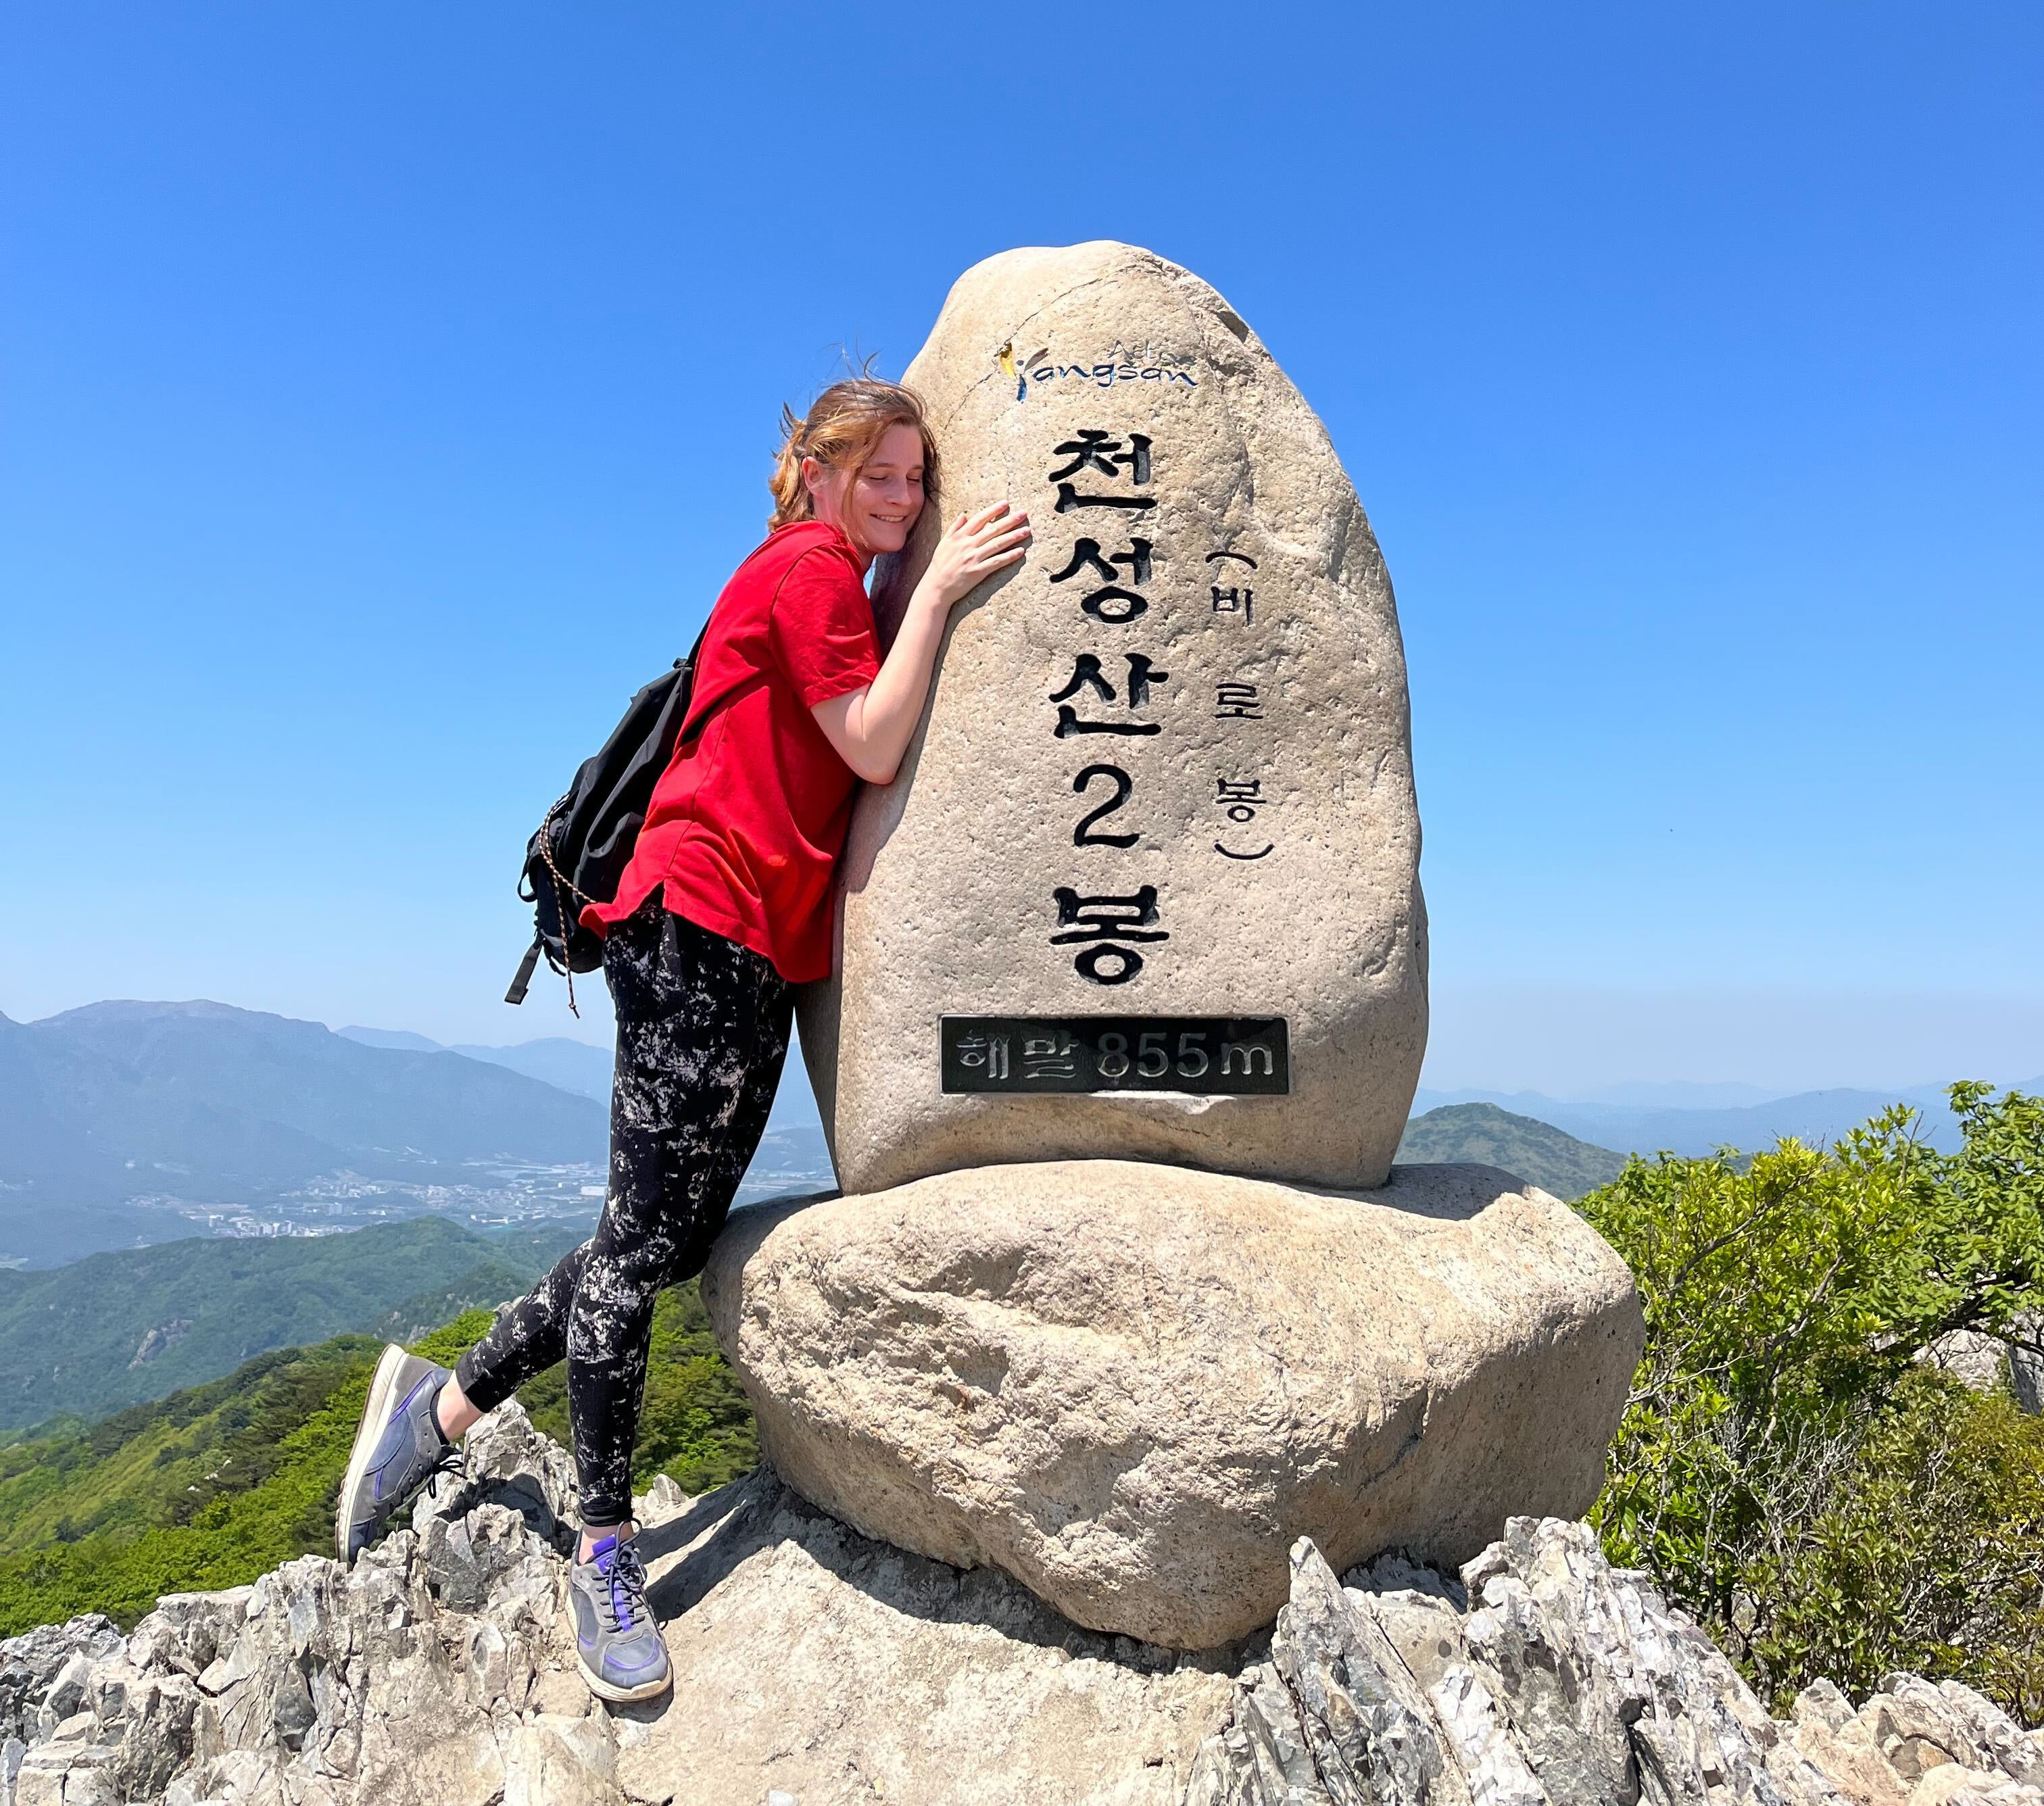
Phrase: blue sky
(385, 390)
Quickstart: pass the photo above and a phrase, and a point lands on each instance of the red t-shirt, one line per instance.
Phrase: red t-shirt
(746, 825)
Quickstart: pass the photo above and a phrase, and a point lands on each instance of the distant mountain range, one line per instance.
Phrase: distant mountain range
(126, 1123)
(581, 1067)
(1531, 1150)
(1815, 1117)
(219, 1095)
(105, 1109)
(573, 1066)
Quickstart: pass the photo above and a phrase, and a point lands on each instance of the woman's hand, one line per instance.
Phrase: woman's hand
(870, 728)
(972, 549)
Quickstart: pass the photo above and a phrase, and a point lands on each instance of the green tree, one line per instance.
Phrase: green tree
(1782, 1397)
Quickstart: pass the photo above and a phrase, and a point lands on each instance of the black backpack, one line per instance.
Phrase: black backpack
(585, 840)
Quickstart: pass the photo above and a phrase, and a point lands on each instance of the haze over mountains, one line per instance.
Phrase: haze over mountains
(201, 1088)
(573, 1065)
(578, 1066)
(126, 1123)
(1645, 1119)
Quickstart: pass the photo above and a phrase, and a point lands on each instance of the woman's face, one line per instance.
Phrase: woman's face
(876, 506)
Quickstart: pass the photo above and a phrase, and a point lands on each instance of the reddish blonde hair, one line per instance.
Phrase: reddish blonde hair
(841, 431)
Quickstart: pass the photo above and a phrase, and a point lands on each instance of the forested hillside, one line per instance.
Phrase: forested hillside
(114, 1329)
(1536, 1150)
(1828, 1502)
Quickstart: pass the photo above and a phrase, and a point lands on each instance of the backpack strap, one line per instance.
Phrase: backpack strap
(522, 982)
(699, 712)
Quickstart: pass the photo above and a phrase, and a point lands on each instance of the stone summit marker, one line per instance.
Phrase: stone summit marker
(1147, 885)
(1143, 900)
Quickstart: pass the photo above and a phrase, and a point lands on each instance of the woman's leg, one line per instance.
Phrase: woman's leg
(702, 1032)
(526, 1341)
(702, 1035)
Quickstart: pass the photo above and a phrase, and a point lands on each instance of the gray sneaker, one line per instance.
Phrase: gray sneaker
(616, 1641)
(398, 1448)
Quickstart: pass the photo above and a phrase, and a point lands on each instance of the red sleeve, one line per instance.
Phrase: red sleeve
(822, 629)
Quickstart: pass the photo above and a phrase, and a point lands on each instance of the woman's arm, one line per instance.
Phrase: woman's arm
(870, 728)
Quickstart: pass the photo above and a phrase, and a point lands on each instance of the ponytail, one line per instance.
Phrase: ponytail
(791, 497)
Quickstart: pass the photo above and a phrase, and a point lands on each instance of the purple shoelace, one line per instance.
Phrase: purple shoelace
(619, 1564)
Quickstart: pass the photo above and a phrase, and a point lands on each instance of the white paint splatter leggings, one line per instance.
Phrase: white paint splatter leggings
(702, 1031)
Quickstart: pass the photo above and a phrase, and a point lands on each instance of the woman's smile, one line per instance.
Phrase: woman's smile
(878, 504)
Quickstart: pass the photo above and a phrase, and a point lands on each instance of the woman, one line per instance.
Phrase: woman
(725, 905)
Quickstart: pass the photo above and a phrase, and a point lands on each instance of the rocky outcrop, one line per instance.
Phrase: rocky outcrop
(815, 1668)
(1132, 1387)
(1542, 1676)
(1985, 1363)
(2025, 1370)
(1165, 771)
(161, 1340)
(438, 1671)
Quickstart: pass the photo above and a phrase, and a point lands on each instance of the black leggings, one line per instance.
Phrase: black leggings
(703, 1030)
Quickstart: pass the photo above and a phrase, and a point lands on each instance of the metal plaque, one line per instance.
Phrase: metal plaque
(1227, 1055)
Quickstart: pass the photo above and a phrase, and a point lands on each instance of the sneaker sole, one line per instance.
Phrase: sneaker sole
(375, 1417)
(622, 1696)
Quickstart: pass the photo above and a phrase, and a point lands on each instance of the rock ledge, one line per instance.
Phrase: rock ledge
(816, 1668)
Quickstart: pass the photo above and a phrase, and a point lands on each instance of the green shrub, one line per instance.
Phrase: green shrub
(1927, 1557)
(1786, 1467)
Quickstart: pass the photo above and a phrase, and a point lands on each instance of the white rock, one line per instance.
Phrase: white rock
(1287, 707)
(1972, 1357)
(1134, 1387)
(1848, 1757)
(2026, 1363)
(30, 1663)
(664, 1499)
(1995, 1733)
(561, 1761)
(812, 1660)
(1917, 1728)
(1953, 1783)
(816, 1667)
(1368, 1724)
(1479, 1736)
